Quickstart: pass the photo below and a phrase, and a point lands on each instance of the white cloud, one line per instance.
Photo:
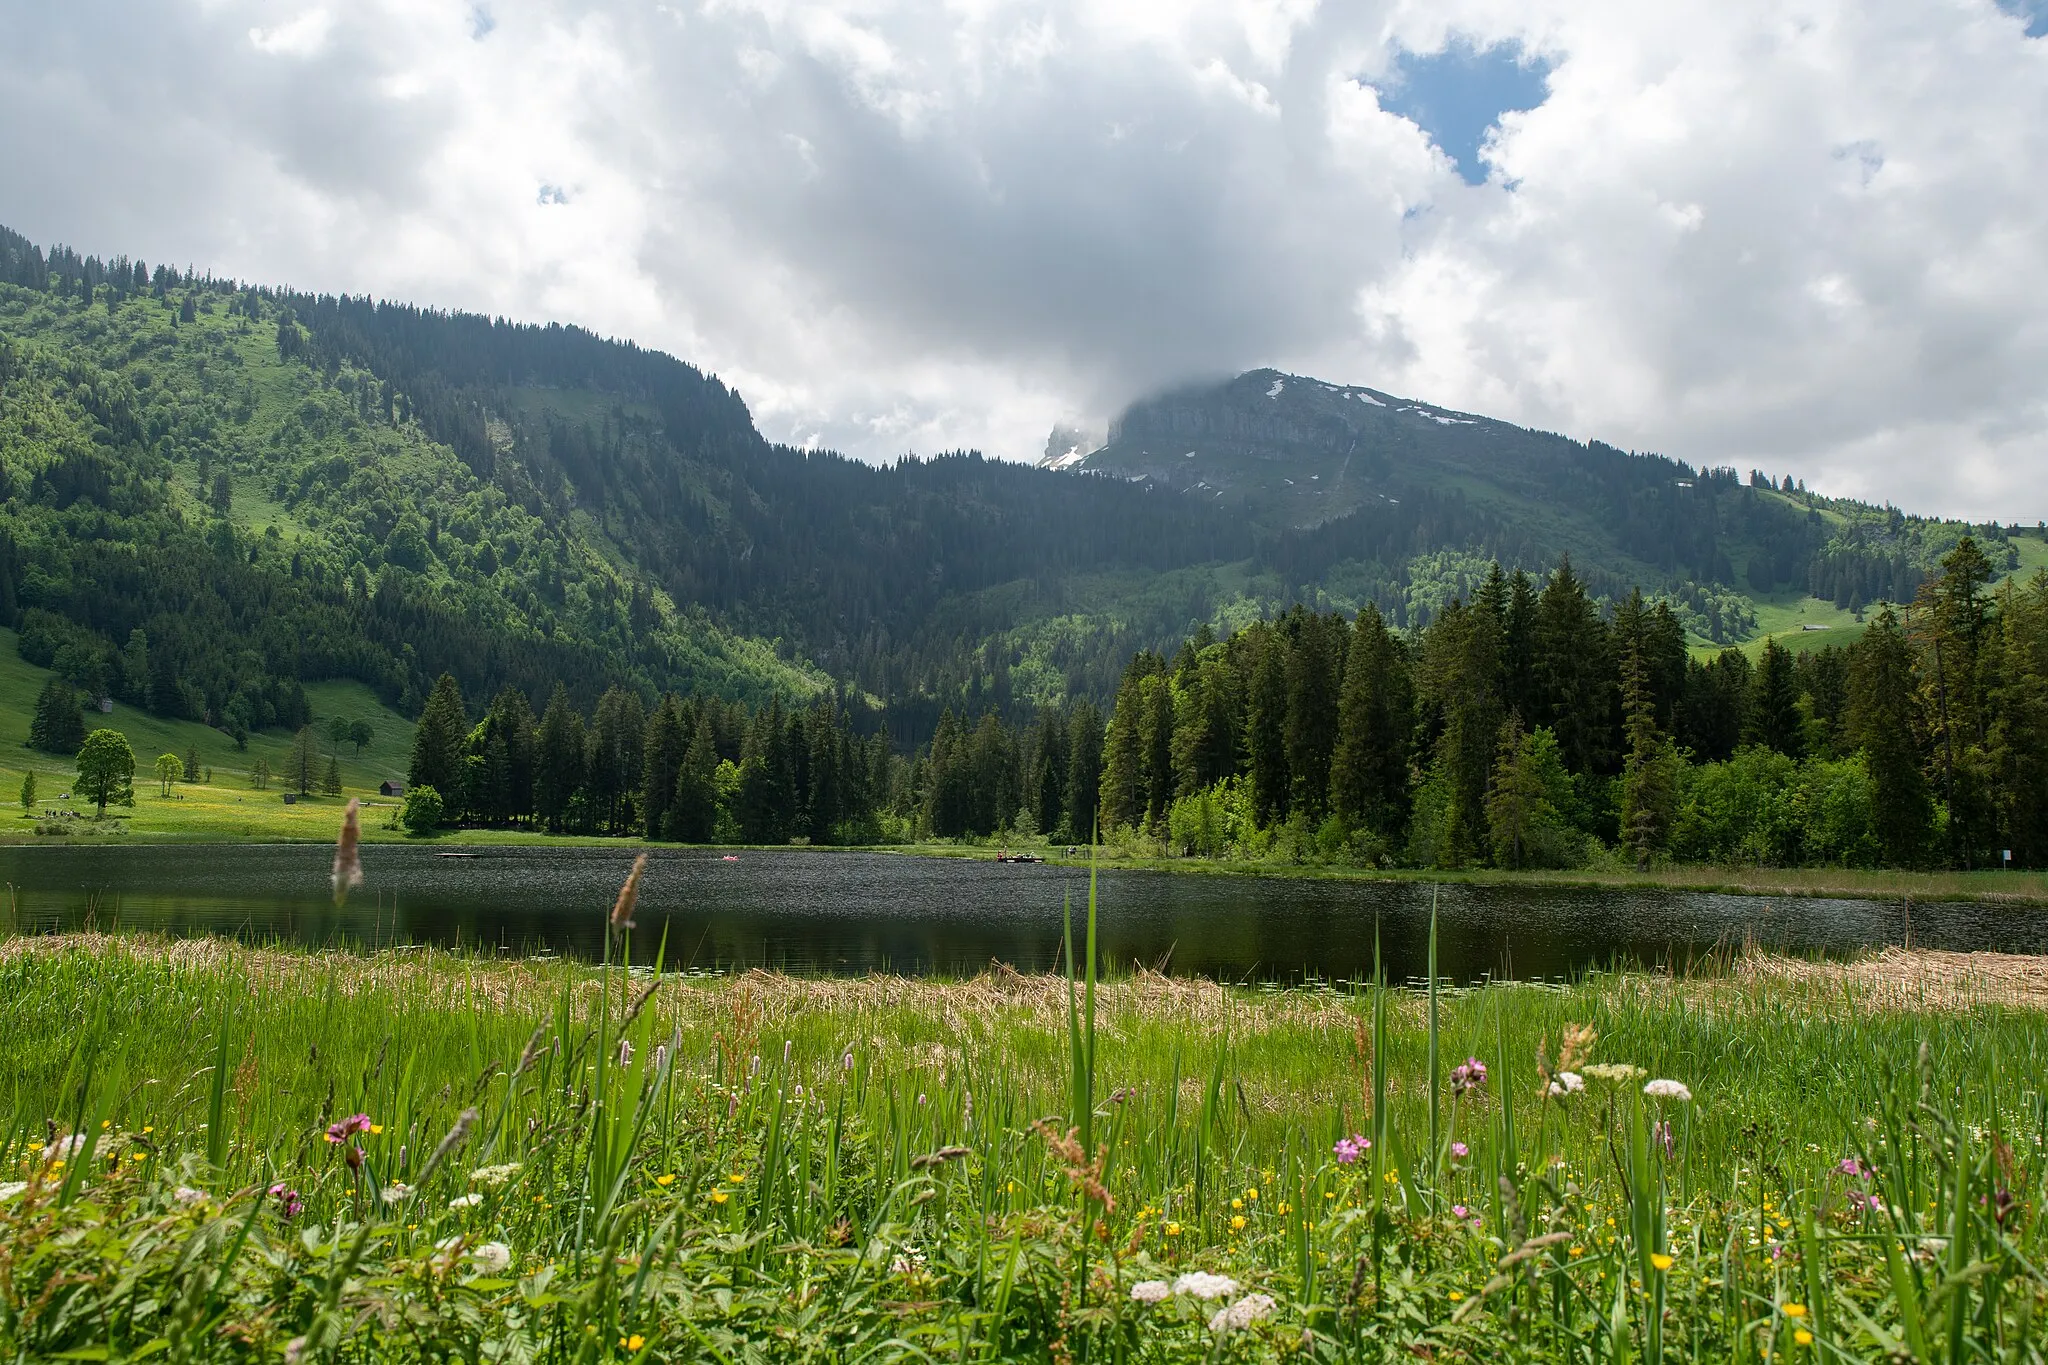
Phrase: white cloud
(1803, 236)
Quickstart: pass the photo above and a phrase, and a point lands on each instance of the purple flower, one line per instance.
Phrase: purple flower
(1851, 1166)
(1467, 1076)
(1459, 1210)
(1351, 1148)
(288, 1201)
(1876, 1204)
(1660, 1131)
(348, 1127)
(1459, 1149)
(354, 1158)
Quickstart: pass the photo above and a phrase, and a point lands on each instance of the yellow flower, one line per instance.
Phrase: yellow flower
(1390, 1178)
(1661, 1261)
(737, 1179)
(1252, 1193)
(1795, 1310)
(1237, 1203)
(1237, 1222)
(106, 1124)
(634, 1342)
(148, 1130)
(1578, 1251)
(376, 1128)
(1285, 1209)
(1173, 1229)
(718, 1196)
(137, 1156)
(1329, 1194)
(1803, 1337)
(1455, 1296)
(665, 1180)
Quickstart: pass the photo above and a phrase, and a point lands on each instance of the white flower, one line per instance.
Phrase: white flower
(494, 1175)
(1667, 1090)
(1615, 1073)
(465, 1201)
(64, 1148)
(1150, 1291)
(395, 1192)
(1202, 1285)
(1243, 1313)
(11, 1188)
(1567, 1083)
(907, 1263)
(492, 1257)
(185, 1194)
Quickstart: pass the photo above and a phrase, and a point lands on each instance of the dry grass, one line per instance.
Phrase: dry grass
(1914, 980)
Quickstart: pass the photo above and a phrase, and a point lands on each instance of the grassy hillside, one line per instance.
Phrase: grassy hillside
(224, 806)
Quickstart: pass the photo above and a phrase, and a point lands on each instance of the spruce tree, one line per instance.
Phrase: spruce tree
(693, 814)
(1157, 695)
(1314, 679)
(57, 727)
(1266, 730)
(1084, 771)
(440, 742)
(1375, 731)
(1123, 754)
(661, 762)
(1883, 722)
(1771, 712)
(558, 760)
(1574, 672)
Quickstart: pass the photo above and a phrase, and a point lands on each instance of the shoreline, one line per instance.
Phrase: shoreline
(2017, 888)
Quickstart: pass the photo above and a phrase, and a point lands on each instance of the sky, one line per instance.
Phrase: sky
(1800, 235)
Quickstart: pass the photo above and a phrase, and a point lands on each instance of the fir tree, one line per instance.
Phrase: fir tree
(1314, 672)
(1375, 728)
(693, 814)
(1084, 771)
(440, 742)
(662, 762)
(1266, 729)
(1771, 711)
(1123, 753)
(558, 760)
(1883, 722)
(57, 727)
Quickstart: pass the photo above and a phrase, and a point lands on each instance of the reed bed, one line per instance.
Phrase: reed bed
(215, 1151)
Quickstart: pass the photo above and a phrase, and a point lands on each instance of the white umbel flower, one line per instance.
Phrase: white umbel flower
(1150, 1291)
(1567, 1083)
(1201, 1284)
(1667, 1090)
(1243, 1313)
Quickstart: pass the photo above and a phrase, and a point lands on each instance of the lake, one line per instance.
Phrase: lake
(819, 911)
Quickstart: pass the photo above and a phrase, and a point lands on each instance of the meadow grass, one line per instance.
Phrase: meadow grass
(560, 1161)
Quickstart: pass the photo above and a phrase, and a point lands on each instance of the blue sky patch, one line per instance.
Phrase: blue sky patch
(2032, 13)
(1456, 95)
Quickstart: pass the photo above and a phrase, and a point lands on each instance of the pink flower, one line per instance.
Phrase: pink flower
(1459, 1211)
(1851, 1166)
(1459, 1149)
(289, 1203)
(1467, 1076)
(348, 1127)
(1351, 1148)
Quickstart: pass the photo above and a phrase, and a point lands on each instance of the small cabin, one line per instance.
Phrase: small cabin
(291, 798)
(390, 787)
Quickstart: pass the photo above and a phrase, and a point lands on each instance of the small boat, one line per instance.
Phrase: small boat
(730, 858)
(452, 854)
(1018, 858)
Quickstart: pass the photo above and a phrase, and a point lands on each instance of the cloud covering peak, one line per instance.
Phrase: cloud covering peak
(1797, 236)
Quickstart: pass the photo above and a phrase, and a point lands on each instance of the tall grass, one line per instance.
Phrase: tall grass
(583, 1163)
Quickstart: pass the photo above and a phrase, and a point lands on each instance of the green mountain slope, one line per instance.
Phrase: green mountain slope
(213, 496)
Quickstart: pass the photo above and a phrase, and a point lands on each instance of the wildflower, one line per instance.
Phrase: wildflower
(1567, 1083)
(737, 1178)
(1849, 1165)
(1615, 1073)
(290, 1205)
(492, 1257)
(64, 1148)
(846, 1062)
(718, 1196)
(348, 871)
(1237, 1203)
(1802, 1336)
(1459, 1211)
(1150, 1291)
(347, 1128)
(1243, 1313)
(186, 1195)
(1467, 1076)
(1660, 1131)
(465, 1201)
(354, 1158)
(1454, 1296)
(1876, 1204)
(1173, 1229)
(1459, 1149)
(1351, 1148)
(1200, 1284)
(634, 1342)
(1667, 1090)
(1661, 1261)
(9, 1189)
(665, 1179)
(1252, 1193)
(625, 1052)
(622, 909)
(661, 1059)
(396, 1192)
(1237, 1222)
(1794, 1310)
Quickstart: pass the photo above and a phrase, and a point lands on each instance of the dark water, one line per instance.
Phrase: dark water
(818, 911)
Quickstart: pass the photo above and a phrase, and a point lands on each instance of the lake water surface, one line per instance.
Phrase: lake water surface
(811, 910)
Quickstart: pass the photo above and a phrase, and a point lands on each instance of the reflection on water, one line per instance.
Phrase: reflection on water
(819, 911)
